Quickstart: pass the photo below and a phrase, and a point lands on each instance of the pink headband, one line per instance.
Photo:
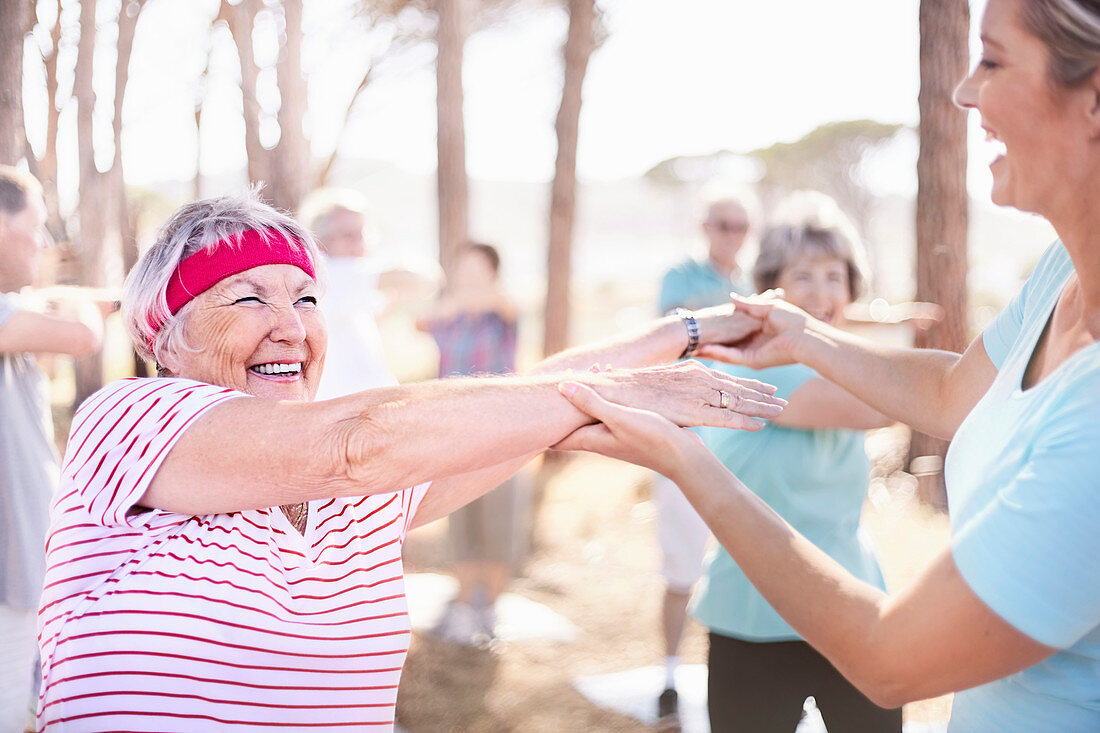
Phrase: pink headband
(210, 265)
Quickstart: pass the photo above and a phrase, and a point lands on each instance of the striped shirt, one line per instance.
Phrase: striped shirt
(157, 621)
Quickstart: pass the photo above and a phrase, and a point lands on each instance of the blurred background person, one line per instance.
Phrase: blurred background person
(810, 465)
(28, 454)
(682, 535)
(474, 325)
(360, 286)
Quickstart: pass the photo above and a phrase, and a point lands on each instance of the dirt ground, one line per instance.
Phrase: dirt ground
(595, 560)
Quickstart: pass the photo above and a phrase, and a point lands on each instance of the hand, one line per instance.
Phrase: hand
(775, 343)
(731, 323)
(688, 394)
(627, 433)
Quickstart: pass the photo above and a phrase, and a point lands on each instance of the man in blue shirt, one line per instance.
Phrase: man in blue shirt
(691, 284)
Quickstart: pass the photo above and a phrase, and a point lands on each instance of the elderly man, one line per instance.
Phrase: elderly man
(28, 457)
(693, 283)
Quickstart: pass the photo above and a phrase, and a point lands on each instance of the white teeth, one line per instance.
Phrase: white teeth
(294, 368)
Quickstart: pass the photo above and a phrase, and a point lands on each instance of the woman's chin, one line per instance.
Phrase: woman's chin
(296, 388)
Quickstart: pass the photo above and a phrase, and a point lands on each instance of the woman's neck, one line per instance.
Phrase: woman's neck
(1081, 236)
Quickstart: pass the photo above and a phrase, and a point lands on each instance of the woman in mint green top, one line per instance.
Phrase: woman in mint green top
(810, 466)
(1008, 616)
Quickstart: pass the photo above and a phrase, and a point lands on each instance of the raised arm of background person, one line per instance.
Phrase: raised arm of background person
(252, 453)
(27, 331)
(936, 636)
(659, 342)
(931, 390)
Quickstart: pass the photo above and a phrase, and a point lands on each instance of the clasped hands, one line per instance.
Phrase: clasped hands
(640, 414)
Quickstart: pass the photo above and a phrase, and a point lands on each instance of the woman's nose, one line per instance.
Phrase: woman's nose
(287, 325)
(966, 96)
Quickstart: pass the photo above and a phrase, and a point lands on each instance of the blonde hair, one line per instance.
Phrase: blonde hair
(805, 220)
(1070, 29)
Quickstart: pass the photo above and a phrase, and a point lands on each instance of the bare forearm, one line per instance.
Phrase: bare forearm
(909, 385)
(260, 453)
(402, 436)
(658, 342)
(834, 611)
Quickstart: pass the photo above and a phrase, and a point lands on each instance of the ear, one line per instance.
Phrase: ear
(1092, 88)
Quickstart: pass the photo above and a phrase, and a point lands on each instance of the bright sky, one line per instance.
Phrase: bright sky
(679, 78)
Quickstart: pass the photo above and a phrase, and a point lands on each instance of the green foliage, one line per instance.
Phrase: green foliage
(827, 159)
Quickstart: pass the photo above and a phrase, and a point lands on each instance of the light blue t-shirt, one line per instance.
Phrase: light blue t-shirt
(1023, 481)
(815, 479)
(695, 284)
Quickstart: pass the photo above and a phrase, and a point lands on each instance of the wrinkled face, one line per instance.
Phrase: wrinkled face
(817, 282)
(345, 235)
(259, 332)
(22, 239)
(1035, 130)
(725, 228)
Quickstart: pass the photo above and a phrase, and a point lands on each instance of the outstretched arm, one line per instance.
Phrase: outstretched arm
(659, 342)
(934, 637)
(251, 453)
(931, 390)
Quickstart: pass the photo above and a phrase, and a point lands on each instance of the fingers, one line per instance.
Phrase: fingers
(585, 399)
(753, 404)
(588, 438)
(725, 354)
(754, 385)
(750, 308)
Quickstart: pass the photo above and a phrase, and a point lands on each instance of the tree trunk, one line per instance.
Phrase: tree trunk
(451, 181)
(48, 165)
(127, 25)
(579, 45)
(941, 219)
(241, 20)
(290, 158)
(92, 207)
(16, 16)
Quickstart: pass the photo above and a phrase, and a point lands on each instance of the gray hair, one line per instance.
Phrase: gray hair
(1070, 29)
(195, 226)
(809, 220)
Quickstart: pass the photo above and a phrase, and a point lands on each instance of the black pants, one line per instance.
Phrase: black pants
(760, 687)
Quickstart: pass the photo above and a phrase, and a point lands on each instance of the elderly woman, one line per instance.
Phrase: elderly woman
(1009, 615)
(224, 552)
(809, 464)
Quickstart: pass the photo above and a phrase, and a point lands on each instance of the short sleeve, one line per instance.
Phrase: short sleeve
(8, 308)
(410, 502)
(122, 434)
(1031, 553)
(1050, 272)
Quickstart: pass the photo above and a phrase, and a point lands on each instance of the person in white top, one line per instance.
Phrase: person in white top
(224, 551)
(358, 289)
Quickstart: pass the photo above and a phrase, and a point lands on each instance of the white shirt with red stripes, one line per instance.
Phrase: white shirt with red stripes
(157, 621)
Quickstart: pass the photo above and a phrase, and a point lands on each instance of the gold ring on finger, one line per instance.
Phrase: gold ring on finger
(723, 399)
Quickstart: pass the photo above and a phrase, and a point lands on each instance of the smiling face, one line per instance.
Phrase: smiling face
(817, 282)
(259, 332)
(1035, 126)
